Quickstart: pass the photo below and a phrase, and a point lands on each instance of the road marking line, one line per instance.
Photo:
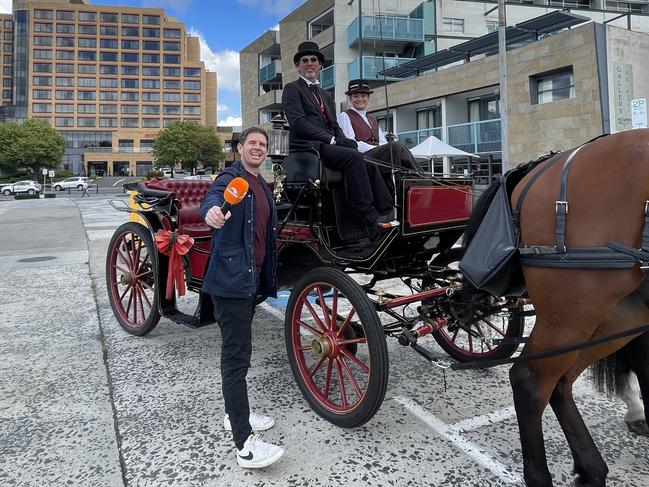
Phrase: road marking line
(273, 311)
(449, 433)
(485, 420)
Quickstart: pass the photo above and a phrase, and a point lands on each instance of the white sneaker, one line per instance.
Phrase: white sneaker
(258, 422)
(257, 453)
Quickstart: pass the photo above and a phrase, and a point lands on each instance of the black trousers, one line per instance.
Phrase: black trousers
(234, 317)
(366, 190)
(401, 156)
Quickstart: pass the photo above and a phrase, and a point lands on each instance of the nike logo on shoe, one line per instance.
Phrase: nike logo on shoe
(246, 457)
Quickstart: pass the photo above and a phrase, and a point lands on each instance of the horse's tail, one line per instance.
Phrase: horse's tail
(479, 210)
(610, 374)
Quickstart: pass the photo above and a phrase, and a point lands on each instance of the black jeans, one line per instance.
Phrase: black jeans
(234, 316)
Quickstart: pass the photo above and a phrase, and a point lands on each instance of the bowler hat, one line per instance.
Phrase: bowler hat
(306, 48)
(358, 86)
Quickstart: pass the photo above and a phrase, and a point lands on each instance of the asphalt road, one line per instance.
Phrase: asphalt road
(84, 403)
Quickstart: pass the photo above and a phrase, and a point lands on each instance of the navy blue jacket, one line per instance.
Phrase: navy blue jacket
(231, 270)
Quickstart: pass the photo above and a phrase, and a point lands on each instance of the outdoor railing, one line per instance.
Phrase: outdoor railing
(328, 77)
(387, 28)
(139, 150)
(269, 71)
(373, 65)
(474, 137)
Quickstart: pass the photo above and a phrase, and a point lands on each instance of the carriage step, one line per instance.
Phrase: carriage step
(521, 313)
(510, 340)
(187, 320)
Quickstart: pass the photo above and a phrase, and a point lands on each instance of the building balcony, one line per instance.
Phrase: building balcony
(270, 72)
(474, 137)
(384, 28)
(328, 77)
(372, 65)
(122, 150)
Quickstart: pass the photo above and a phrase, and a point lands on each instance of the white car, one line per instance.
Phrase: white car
(29, 187)
(205, 177)
(76, 182)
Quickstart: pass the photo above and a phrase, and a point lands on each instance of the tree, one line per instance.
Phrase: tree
(189, 144)
(29, 146)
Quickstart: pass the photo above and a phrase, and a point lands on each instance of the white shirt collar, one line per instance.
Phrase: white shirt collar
(362, 113)
(309, 83)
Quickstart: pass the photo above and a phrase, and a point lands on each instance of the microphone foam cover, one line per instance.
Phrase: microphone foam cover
(236, 190)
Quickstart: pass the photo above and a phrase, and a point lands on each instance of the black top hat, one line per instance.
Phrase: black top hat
(306, 48)
(358, 86)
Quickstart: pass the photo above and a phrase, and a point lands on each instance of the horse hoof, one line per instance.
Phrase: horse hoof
(639, 427)
(580, 482)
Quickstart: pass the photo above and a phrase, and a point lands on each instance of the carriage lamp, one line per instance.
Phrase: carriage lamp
(278, 137)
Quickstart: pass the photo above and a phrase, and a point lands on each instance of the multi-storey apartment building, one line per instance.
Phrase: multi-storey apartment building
(107, 78)
(389, 34)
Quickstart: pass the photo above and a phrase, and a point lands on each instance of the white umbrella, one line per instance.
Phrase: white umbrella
(433, 147)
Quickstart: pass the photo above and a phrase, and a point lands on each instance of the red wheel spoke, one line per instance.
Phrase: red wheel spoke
(495, 328)
(455, 334)
(325, 309)
(315, 315)
(129, 256)
(147, 285)
(150, 271)
(470, 341)
(134, 305)
(316, 366)
(346, 323)
(126, 260)
(352, 340)
(303, 349)
(328, 378)
(310, 328)
(351, 377)
(356, 360)
(130, 301)
(334, 310)
(123, 271)
(128, 286)
(341, 385)
(148, 302)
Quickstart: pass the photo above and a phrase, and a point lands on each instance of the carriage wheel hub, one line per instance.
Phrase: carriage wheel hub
(126, 278)
(324, 346)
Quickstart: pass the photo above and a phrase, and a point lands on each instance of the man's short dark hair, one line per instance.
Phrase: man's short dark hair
(252, 130)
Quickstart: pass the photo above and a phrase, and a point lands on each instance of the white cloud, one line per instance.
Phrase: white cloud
(281, 7)
(222, 108)
(5, 6)
(225, 63)
(230, 122)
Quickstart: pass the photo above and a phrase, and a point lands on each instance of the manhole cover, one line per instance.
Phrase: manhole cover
(37, 259)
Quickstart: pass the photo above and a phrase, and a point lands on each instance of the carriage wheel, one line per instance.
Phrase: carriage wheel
(336, 347)
(131, 279)
(480, 340)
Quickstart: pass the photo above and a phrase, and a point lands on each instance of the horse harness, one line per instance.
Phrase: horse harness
(614, 255)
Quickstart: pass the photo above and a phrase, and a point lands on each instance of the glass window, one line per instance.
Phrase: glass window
(87, 69)
(7, 71)
(171, 84)
(130, 18)
(86, 95)
(107, 108)
(87, 55)
(108, 69)
(452, 25)
(8, 48)
(42, 41)
(151, 19)
(171, 59)
(150, 32)
(151, 58)
(130, 70)
(108, 122)
(108, 95)
(129, 122)
(108, 43)
(42, 54)
(130, 96)
(108, 56)
(8, 59)
(171, 110)
(151, 45)
(8, 24)
(108, 82)
(64, 15)
(88, 29)
(192, 98)
(149, 96)
(130, 109)
(65, 55)
(130, 44)
(171, 71)
(42, 27)
(65, 28)
(60, 81)
(42, 81)
(84, 42)
(151, 122)
(130, 83)
(64, 68)
(42, 68)
(64, 95)
(43, 14)
(171, 46)
(89, 16)
(150, 109)
(6, 82)
(169, 121)
(191, 110)
(131, 31)
(65, 41)
(86, 108)
(552, 86)
(87, 82)
(150, 71)
(42, 107)
(172, 33)
(64, 108)
(150, 84)
(108, 17)
(8, 36)
(192, 72)
(42, 94)
(171, 97)
(130, 57)
(86, 122)
(107, 30)
(191, 85)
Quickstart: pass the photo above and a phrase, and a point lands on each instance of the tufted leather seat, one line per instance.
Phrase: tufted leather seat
(302, 166)
(188, 195)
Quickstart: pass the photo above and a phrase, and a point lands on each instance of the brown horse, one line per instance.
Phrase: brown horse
(608, 186)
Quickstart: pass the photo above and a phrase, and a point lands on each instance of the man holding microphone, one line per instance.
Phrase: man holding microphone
(241, 268)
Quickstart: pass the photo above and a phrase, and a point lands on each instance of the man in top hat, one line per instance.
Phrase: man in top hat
(312, 118)
(358, 125)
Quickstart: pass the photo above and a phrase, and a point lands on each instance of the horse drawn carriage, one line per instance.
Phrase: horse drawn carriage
(336, 325)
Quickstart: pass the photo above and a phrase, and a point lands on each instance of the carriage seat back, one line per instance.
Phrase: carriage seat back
(188, 195)
(305, 165)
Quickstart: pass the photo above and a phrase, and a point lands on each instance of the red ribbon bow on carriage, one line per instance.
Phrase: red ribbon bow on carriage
(174, 245)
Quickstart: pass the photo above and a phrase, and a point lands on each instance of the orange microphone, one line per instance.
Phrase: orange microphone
(234, 193)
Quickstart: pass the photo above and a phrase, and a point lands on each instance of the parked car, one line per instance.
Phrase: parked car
(178, 174)
(29, 187)
(205, 177)
(76, 182)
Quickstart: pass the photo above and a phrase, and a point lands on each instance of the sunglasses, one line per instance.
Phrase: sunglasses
(312, 59)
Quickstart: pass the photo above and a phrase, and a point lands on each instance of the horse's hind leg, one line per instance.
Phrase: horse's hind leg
(636, 355)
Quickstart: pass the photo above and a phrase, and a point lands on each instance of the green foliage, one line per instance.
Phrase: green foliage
(189, 144)
(61, 174)
(154, 174)
(29, 147)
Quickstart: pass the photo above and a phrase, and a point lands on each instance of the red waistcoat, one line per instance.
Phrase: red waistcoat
(362, 131)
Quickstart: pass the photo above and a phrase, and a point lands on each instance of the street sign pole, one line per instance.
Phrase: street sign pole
(502, 65)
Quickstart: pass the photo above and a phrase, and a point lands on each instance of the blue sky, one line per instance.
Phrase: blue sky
(224, 26)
